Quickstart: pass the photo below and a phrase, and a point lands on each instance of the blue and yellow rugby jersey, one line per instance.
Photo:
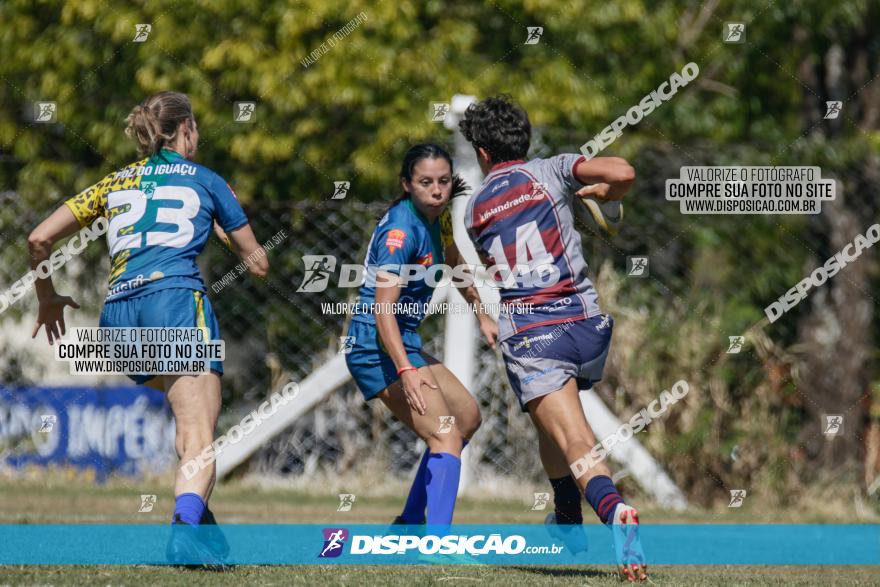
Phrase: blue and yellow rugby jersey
(161, 212)
(403, 237)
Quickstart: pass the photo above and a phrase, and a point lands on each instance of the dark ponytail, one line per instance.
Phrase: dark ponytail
(459, 187)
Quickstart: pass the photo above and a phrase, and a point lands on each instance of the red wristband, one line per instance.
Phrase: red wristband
(407, 368)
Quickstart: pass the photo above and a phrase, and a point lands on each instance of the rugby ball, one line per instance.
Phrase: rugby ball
(606, 215)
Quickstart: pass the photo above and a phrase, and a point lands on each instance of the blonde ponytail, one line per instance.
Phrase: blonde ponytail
(153, 124)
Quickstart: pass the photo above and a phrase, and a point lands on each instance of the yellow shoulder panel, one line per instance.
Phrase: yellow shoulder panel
(91, 203)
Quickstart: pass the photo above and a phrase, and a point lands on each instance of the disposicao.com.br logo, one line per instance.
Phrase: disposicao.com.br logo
(456, 544)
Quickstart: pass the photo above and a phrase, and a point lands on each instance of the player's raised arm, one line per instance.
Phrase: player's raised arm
(231, 225)
(60, 224)
(244, 243)
(606, 178)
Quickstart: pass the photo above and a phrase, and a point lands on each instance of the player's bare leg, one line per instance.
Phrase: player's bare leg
(426, 425)
(159, 383)
(195, 402)
(561, 419)
(565, 522)
(560, 416)
(552, 457)
(462, 405)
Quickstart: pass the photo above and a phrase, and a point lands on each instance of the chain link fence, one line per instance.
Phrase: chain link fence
(275, 334)
(343, 434)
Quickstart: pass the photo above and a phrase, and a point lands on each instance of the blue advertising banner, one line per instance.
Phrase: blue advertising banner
(121, 430)
(690, 544)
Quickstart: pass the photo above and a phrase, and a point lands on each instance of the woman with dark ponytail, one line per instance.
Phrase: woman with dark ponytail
(160, 211)
(387, 360)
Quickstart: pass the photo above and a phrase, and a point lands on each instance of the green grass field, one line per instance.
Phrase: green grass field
(434, 575)
(62, 500)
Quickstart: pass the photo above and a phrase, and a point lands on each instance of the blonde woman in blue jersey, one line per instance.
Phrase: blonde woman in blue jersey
(161, 210)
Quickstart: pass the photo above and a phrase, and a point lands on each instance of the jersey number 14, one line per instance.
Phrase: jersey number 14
(531, 254)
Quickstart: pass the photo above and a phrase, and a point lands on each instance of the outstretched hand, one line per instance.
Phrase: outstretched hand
(51, 315)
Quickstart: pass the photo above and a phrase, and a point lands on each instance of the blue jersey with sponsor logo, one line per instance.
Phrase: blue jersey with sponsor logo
(403, 237)
(522, 224)
(160, 212)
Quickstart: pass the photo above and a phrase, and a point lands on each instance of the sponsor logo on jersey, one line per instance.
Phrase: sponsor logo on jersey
(134, 283)
(427, 260)
(395, 240)
(559, 304)
(500, 184)
(149, 188)
(527, 341)
(537, 193)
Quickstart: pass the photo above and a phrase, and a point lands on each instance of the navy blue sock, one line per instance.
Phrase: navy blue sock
(567, 499)
(603, 496)
(441, 483)
(414, 510)
(189, 507)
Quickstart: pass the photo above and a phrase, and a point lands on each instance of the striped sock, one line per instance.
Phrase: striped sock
(603, 496)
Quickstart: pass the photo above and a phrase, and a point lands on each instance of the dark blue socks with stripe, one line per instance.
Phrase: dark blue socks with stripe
(603, 496)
